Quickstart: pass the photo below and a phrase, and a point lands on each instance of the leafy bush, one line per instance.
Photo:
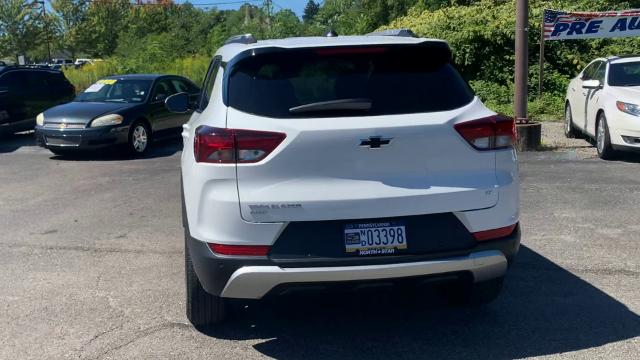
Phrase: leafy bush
(482, 38)
(194, 68)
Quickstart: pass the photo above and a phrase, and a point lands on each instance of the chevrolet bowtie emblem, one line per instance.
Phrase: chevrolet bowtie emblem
(375, 142)
(62, 126)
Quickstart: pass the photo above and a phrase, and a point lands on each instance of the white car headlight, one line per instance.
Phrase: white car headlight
(40, 119)
(628, 108)
(107, 120)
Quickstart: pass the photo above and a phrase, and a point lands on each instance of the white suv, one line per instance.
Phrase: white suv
(603, 103)
(341, 160)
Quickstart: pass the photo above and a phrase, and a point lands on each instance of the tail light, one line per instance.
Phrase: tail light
(495, 233)
(228, 146)
(491, 133)
(240, 250)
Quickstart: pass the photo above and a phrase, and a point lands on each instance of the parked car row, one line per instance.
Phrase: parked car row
(124, 110)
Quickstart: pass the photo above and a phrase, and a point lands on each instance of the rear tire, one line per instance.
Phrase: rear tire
(203, 309)
(569, 130)
(603, 139)
(61, 152)
(476, 294)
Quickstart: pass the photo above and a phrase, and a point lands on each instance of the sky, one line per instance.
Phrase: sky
(296, 5)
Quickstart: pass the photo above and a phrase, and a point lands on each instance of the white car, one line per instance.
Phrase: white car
(343, 160)
(603, 103)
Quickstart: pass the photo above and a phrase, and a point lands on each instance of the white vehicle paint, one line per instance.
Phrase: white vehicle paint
(388, 162)
(608, 88)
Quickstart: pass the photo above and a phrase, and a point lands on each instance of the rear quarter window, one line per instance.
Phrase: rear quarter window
(395, 79)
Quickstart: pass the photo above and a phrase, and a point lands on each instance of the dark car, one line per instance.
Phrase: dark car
(123, 109)
(25, 92)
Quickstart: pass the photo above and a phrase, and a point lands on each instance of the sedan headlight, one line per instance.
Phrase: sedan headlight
(628, 108)
(40, 119)
(107, 120)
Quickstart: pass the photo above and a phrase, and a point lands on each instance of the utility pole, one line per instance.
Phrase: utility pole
(46, 30)
(522, 61)
(267, 6)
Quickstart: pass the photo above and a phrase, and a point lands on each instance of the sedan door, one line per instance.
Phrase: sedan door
(183, 85)
(578, 95)
(161, 118)
(593, 102)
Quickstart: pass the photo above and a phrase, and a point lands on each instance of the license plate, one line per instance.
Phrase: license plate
(383, 238)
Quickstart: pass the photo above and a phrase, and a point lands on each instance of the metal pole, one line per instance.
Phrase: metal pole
(541, 62)
(522, 64)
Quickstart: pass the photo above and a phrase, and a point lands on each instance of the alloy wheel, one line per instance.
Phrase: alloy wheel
(600, 136)
(140, 138)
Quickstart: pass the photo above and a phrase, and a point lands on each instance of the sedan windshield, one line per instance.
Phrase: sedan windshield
(114, 90)
(624, 74)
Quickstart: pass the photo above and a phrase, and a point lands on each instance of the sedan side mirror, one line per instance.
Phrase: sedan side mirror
(592, 84)
(178, 103)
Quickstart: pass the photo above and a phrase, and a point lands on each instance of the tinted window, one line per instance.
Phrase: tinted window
(209, 81)
(395, 80)
(163, 87)
(624, 74)
(590, 72)
(36, 78)
(184, 86)
(13, 80)
(599, 75)
(57, 79)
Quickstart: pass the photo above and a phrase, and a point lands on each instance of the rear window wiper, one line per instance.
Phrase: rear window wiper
(333, 105)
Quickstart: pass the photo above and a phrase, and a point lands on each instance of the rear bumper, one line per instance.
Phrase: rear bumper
(89, 138)
(253, 278)
(253, 282)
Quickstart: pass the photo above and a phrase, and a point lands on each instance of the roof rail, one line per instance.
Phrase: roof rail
(623, 56)
(394, 32)
(241, 39)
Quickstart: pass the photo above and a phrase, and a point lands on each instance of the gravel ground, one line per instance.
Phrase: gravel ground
(553, 139)
(92, 267)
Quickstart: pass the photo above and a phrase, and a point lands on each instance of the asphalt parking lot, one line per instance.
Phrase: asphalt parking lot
(91, 267)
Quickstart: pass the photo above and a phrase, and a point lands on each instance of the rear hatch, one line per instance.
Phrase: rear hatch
(369, 134)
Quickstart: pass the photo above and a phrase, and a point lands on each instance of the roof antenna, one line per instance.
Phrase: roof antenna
(331, 33)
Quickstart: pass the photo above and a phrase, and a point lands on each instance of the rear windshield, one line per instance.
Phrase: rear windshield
(369, 80)
(624, 74)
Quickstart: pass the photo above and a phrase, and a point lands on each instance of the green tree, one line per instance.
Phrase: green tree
(104, 20)
(20, 27)
(310, 11)
(285, 24)
(71, 16)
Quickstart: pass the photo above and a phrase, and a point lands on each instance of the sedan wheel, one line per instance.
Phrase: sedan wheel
(138, 138)
(569, 130)
(603, 140)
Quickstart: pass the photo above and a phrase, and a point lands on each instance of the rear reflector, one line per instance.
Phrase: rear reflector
(494, 233)
(241, 250)
(491, 133)
(228, 146)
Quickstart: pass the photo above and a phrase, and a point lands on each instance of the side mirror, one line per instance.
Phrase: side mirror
(178, 103)
(592, 84)
(160, 97)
